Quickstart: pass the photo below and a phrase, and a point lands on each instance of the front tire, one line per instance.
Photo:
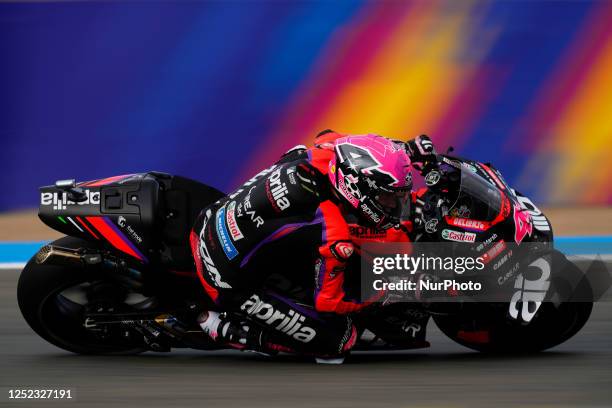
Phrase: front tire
(488, 327)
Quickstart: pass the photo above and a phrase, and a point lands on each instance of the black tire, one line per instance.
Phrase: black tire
(551, 326)
(37, 289)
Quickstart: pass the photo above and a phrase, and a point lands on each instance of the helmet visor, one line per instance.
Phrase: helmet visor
(394, 203)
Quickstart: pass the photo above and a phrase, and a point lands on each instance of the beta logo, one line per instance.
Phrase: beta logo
(458, 236)
(290, 323)
(60, 201)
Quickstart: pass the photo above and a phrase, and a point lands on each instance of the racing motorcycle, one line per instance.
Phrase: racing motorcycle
(123, 280)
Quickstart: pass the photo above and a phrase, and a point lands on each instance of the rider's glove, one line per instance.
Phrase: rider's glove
(422, 153)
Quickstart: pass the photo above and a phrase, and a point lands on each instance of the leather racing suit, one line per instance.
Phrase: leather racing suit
(293, 199)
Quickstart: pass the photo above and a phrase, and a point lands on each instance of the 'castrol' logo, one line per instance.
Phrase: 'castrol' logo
(231, 222)
(458, 236)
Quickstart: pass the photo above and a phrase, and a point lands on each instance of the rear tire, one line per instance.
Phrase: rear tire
(37, 294)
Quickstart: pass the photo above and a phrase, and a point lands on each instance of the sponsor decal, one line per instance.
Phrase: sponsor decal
(122, 222)
(495, 250)
(239, 210)
(454, 163)
(59, 200)
(373, 216)
(468, 223)
(231, 222)
(348, 187)
(462, 211)
(540, 222)
(358, 231)
(504, 278)
(432, 178)
(486, 242)
(342, 250)
(291, 175)
(228, 247)
(277, 192)
(498, 264)
(522, 224)
(256, 219)
(431, 226)
(212, 270)
(291, 323)
(458, 236)
(530, 293)
(469, 167)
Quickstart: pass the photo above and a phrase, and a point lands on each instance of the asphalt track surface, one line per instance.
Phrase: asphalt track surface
(577, 373)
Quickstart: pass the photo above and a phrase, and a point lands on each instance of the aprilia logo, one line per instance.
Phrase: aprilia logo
(366, 232)
(276, 192)
(290, 324)
(60, 200)
(373, 216)
(531, 293)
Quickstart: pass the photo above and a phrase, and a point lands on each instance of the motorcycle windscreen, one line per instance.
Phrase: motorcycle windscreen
(476, 199)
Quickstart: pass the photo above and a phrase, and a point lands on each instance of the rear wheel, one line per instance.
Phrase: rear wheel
(53, 300)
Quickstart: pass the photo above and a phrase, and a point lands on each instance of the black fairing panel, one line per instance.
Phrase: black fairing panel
(183, 199)
(147, 216)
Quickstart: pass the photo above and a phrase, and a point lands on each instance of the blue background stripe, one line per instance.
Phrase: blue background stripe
(17, 252)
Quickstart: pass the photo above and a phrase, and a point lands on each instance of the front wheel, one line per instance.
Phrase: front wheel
(491, 328)
(53, 300)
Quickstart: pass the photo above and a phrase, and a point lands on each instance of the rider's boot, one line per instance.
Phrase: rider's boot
(235, 332)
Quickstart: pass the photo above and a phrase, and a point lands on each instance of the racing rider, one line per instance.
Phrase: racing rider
(307, 194)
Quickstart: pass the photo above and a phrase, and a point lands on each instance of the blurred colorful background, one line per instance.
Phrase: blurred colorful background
(216, 90)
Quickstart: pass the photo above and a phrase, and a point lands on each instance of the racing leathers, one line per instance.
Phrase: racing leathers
(290, 201)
